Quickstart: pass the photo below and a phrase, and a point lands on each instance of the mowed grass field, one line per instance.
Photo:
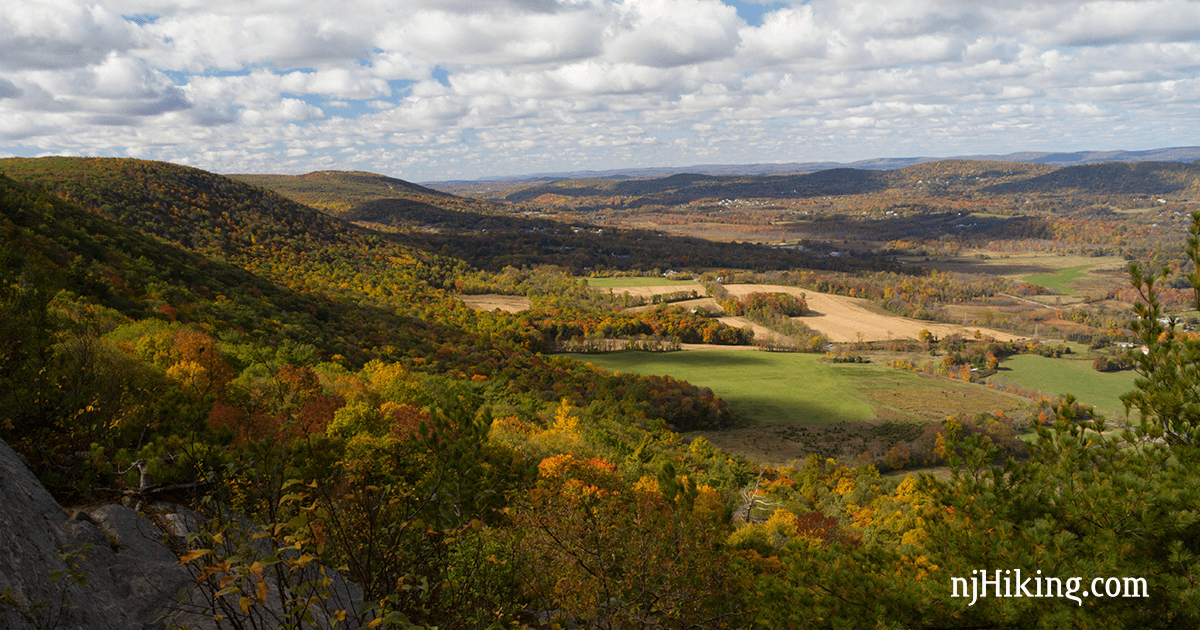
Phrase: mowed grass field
(1073, 275)
(795, 388)
(1059, 281)
(1063, 376)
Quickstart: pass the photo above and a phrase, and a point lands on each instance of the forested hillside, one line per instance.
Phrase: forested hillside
(335, 192)
(1118, 178)
(493, 235)
(314, 391)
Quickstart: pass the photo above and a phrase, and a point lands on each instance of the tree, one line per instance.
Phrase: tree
(1088, 503)
(1168, 392)
(609, 556)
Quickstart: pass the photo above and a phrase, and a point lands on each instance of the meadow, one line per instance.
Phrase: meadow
(799, 388)
(1059, 281)
(794, 404)
(1062, 376)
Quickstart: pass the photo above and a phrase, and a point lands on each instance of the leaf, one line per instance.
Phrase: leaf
(244, 603)
(192, 555)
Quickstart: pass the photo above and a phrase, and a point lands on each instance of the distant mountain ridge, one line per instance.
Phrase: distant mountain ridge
(935, 177)
(1171, 154)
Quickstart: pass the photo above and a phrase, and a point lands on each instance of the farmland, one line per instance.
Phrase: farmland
(845, 319)
(637, 281)
(1062, 376)
(798, 388)
(490, 301)
(180, 314)
(1060, 280)
(795, 404)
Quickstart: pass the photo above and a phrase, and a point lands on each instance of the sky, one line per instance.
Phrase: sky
(430, 90)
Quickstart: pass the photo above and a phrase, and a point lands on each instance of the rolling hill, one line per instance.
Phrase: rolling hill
(1059, 159)
(941, 177)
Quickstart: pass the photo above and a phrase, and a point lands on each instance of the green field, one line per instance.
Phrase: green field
(1063, 376)
(1059, 281)
(612, 283)
(767, 387)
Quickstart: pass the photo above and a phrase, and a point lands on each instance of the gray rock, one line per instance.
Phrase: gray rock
(106, 568)
(133, 534)
(112, 568)
(178, 521)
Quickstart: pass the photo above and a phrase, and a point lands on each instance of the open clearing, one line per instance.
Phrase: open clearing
(1072, 274)
(845, 319)
(491, 301)
(797, 404)
(636, 281)
(707, 303)
(646, 287)
(1062, 376)
(1017, 265)
(1059, 280)
(798, 388)
(760, 332)
(842, 319)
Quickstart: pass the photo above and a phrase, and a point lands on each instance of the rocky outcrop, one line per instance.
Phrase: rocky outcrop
(107, 567)
(110, 567)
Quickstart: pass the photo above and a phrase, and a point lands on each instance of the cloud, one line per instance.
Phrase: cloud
(786, 34)
(58, 34)
(195, 42)
(495, 37)
(433, 88)
(669, 33)
(343, 83)
(9, 90)
(1114, 22)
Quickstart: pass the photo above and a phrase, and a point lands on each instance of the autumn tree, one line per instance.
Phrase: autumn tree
(617, 557)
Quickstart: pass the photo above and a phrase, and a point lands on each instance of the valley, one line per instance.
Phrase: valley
(446, 397)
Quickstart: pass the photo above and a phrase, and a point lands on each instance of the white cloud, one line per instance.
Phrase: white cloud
(669, 33)
(343, 83)
(233, 42)
(60, 34)
(494, 37)
(1108, 22)
(433, 88)
(786, 34)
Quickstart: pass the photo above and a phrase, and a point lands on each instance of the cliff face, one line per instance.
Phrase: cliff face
(107, 567)
(110, 567)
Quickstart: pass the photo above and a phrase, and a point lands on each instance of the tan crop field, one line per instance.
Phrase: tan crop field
(845, 319)
(760, 332)
(707, 303)
(649, 291)
(491, 301)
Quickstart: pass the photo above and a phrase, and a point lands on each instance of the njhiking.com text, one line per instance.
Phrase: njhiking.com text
(1010, 583)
